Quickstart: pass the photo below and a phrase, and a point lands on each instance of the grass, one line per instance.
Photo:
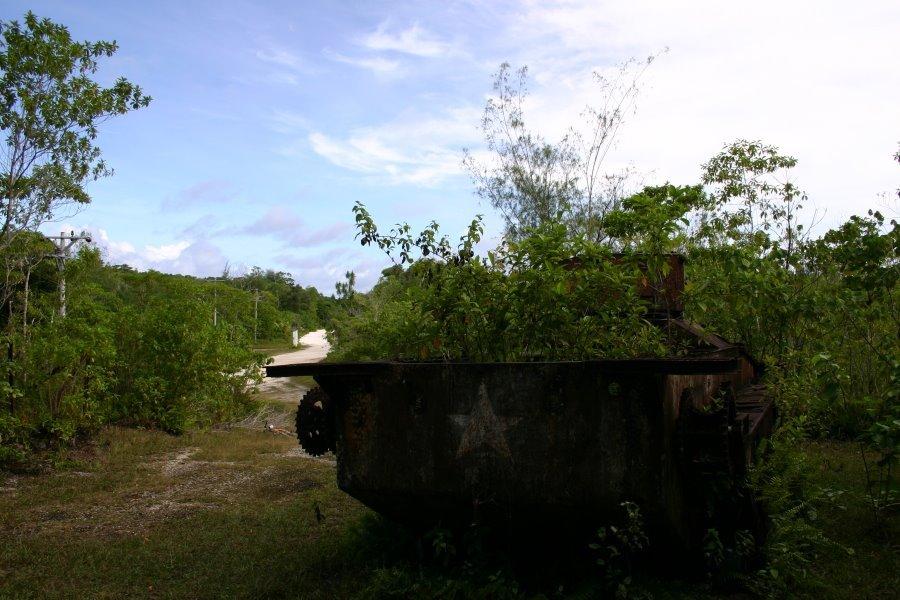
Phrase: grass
(211, 514)
(241, 513)
(872, 570)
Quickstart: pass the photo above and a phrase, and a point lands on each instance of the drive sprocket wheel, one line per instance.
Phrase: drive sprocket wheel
(315, 422)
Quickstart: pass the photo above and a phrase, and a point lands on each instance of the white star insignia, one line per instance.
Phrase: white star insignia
(485, 432)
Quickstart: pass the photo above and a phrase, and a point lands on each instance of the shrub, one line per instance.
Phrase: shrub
(547, 296)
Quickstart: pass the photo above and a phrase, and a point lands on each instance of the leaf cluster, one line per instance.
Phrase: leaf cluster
(50, 110)
(546, 296)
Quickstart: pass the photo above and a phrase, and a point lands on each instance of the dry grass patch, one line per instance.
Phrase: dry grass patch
(140, 478)
(222, 513)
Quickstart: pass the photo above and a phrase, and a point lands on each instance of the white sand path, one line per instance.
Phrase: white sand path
(289, 389)
(314, 348)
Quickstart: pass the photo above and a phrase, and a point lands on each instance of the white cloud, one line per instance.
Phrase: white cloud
(412, 149)
(200, 258)
(414, 40)
(115, 248)
(325, 268)
(815, 78)
(381, 67)
(164, 252)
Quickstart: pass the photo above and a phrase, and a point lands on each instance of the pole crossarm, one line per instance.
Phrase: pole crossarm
(64, 243)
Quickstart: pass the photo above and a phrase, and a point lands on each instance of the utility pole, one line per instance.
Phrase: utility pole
(63, 252)
(215, 280)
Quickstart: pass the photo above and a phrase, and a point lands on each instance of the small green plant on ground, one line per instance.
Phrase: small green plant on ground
(617, 547)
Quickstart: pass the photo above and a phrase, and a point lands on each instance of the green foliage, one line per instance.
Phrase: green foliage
(820, 315)
(135, 348)
(792, 499)
(747, 297)
(881, 441)
(653, 221)
(752, 197)
(545, 296)
(49, 112)
(176, 370)
(616, 548)
(285, 303)
(863, 253)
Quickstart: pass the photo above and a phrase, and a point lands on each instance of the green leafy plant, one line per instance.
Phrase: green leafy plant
(49, 116)
(617, 547)
(546, 296)
(792, 501)
(882, 439)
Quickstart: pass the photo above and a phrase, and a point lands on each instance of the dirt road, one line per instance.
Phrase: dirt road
(290, 389)
(314, 348)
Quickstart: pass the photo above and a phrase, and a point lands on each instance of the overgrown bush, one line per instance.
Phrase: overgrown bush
(546, 296)
(175, 369)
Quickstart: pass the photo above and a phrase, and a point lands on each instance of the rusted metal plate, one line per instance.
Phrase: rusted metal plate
(561, 442)
(686, 365)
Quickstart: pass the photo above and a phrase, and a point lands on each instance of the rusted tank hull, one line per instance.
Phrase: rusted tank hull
(560, 442)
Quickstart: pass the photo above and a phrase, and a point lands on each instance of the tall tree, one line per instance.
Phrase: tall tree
(50, 109)
(533, 181)
(530, 181)
(752, 197)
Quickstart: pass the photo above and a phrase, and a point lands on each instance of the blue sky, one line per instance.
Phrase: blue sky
(269, 120)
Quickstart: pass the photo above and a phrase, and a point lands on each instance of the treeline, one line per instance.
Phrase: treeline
(303, 307)
(138, 348)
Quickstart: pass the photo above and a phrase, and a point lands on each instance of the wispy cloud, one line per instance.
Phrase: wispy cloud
(286, 121)
(283, 224)
(209, 191)
(201, 228)
(414, 40)
(381, 67)
(286, 66)
(414, 148)
(283, 58)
